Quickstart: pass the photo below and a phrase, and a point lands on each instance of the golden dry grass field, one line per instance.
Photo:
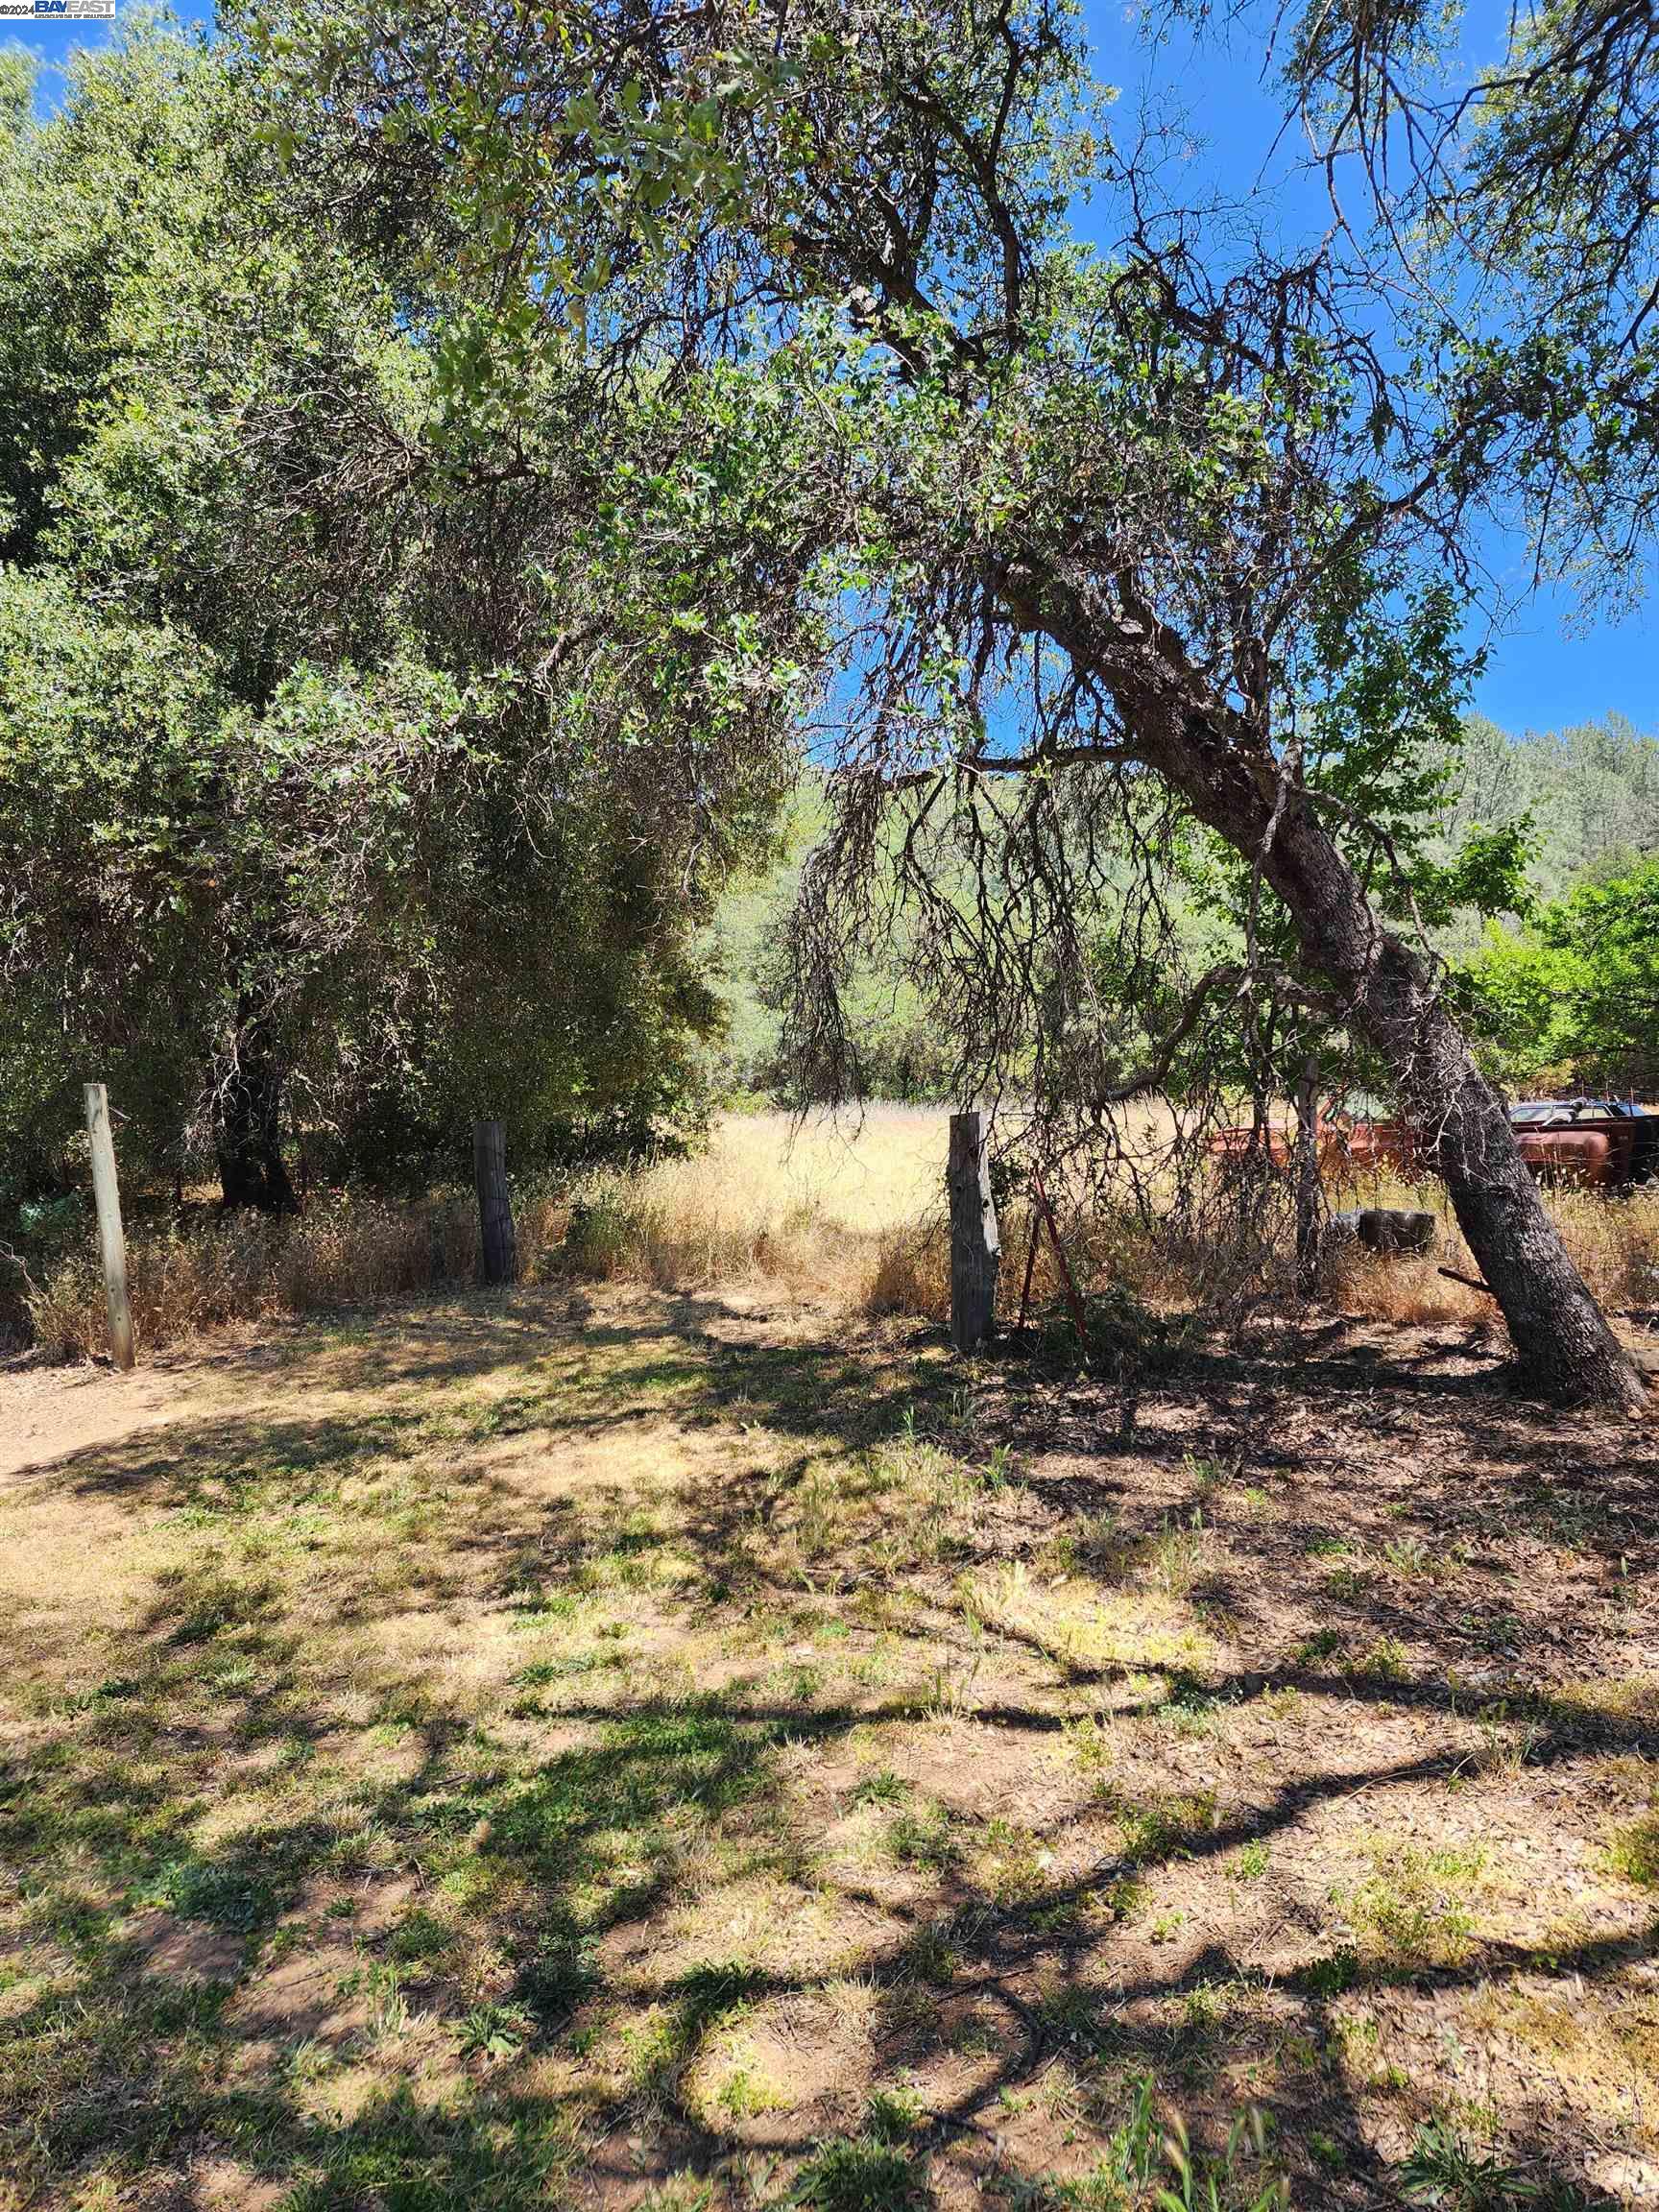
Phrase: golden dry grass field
(843, 1208)
(674, 1739)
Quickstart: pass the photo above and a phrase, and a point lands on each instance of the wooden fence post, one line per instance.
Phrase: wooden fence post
(108, 1198)
(497, 1245)
(1309, 1190)
(975, 1252)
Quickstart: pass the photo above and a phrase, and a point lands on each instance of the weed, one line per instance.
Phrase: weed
(998, 1468)
(1413, 1906)
(1333, 1974)
(746, 2091)
(950, 1693)
(1410, 1557)
(230, 1897)
(1507, 1743)
(884, 1788)
(420, 1937)
(1444, 2169)
(1012, 1864)
(1092, 1741)
(892, 2113)
(1197, 2184)
(1118, 2179)
(1203, 2008)
(861, 2174)
(1159, 1829)
(1634, 1851)
(555, 1980)
(1191, 1711)
(1094, 1541)
(493, 2032)
(1384, 1661)
(925, 1839)
(930, 1956)
(1178, 1555)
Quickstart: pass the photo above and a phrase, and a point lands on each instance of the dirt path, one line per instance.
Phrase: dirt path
(48, 1413)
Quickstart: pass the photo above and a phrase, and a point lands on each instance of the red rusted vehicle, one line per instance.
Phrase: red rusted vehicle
(1344, 1145)
(1596, 1142)
(1602, 1141)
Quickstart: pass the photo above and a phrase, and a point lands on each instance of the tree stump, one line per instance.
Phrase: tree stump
(1396, 1229)
(975, 1252)
(497, 1244)
(1388, 1228)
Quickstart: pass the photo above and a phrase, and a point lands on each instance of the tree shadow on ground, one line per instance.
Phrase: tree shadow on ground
(577, 2063)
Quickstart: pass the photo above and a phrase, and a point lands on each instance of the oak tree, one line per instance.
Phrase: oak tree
(1087, 518)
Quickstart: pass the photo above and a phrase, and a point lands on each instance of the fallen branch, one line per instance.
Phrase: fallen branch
(1045, 1215)
(1470, 1282)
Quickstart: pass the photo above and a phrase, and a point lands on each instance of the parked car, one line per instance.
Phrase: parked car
(1600, 1140)
(1603, 1144)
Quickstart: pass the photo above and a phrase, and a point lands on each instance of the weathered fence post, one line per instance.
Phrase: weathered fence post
(975, 1252)
(497, 1245)
(1310, 1190)
(108, 1198)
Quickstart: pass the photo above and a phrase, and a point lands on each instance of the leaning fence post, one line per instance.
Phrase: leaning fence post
(108, 1198)
(975, 1252)
(497, 1245)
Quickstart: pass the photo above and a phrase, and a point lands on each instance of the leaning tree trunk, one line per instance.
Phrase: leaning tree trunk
(247, 1128)
(1561, 1338)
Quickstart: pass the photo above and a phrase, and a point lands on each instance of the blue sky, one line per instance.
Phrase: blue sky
(1551, 666)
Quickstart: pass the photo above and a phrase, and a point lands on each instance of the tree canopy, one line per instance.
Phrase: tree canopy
(322, 773)
(1114, 545)
(509, 441)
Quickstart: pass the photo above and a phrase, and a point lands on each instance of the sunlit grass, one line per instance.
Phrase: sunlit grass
(570, 1722)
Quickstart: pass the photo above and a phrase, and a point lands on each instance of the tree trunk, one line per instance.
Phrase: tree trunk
(1218, 758)
(247, 1128)
(1562, 1341)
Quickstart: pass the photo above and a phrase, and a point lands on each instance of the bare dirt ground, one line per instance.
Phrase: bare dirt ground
(616, 1749)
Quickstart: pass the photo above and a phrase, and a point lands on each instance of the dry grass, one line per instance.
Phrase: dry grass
(1614, 1241)
(812, 1206)
(806, 1206)
(1172, 1268)
(341, 1252)
(844, 1210)
(252, 1269)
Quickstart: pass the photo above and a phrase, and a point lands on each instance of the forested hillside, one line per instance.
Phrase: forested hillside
(1592, 793)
